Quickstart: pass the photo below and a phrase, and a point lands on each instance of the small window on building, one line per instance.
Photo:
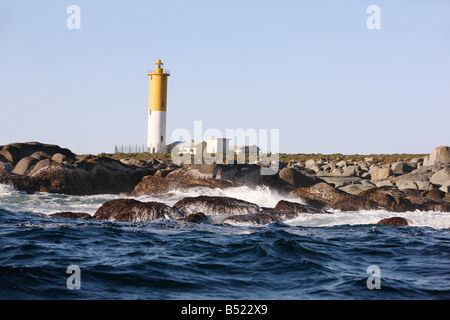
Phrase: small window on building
(151, 77)
(164, 78)
(162, 137)
(162, 103)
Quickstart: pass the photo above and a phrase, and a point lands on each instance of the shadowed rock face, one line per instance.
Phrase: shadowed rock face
(215, 205)
(253, 218)
(132, 211)
(394, 222)
(49, 168)
(72, 215)
(15, 151)
(198, 217)
(294, 207)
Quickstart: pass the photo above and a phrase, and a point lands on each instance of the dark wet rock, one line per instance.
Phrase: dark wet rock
(129, 210)
(317, 195)
(394, 222)
(198, 217)
(395, 200)
(349, 202)
(20, 182)
(177, 179)
(211, 205)
(253, 218)
(294, 207)
(72, 215)
(16, 151)
(388, 199)
(434, 194)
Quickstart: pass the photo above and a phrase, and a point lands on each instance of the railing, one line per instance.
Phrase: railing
(165, 71)
(130, 148)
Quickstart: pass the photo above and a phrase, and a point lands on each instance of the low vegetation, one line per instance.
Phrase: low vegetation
(285, 157)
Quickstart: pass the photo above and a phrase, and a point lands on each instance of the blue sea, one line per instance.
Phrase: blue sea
(325, 256)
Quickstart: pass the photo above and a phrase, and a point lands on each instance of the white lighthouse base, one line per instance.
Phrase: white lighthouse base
(156, 139)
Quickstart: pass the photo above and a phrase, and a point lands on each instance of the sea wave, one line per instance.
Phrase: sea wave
(263, 196)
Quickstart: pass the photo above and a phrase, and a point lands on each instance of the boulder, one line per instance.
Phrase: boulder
(59, 157)
(352, 171)
(43, 164)
(16, 151)
(338, 182)
(435, 194)
(180, 179)
(384, 183)
(198, 217)
(310, 163)
(130, 210)
(297, 179)
(405, 184)
(381, 173)
(417, 179)
(401, 168)
(441, 177)
(294, 207)
(11, 153)
(72, 215)
(424, 185)
(341, 164)
(445, 187)
(24, 165)
(212, 205)
(389, 199)
(394, 222)
(317, 195)
(439, 155)
(40, 155)
(355, 188)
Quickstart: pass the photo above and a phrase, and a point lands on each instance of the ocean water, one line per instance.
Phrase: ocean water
(326, 256)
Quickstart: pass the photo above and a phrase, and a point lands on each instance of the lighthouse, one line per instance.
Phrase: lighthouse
(157, 107)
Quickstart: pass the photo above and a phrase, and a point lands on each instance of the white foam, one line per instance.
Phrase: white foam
(433, 219)
(263, 196)
(13, 200)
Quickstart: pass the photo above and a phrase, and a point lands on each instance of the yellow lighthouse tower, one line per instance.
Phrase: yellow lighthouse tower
(157, 107)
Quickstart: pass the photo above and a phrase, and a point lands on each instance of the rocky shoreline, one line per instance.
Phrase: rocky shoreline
(324, 185)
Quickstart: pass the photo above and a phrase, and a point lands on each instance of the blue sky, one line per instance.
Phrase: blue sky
(311, 69)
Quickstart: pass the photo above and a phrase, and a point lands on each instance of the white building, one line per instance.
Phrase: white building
(187, 147)
(217, 145)
(245, 149)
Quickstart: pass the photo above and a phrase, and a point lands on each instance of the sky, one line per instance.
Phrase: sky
(313, 70)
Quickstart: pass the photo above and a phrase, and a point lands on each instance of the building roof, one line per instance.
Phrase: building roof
(186, 144)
